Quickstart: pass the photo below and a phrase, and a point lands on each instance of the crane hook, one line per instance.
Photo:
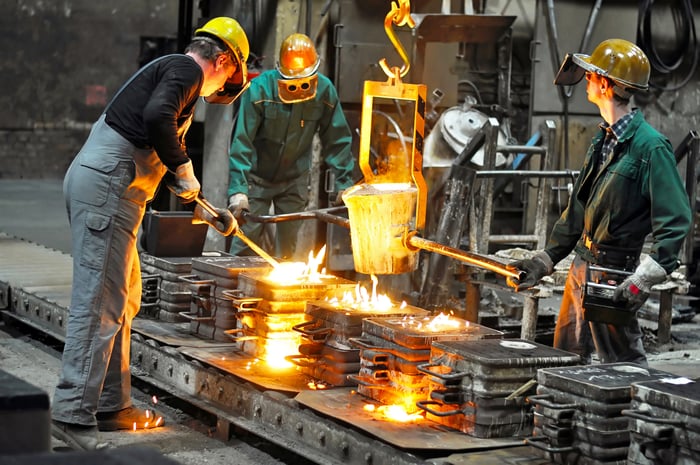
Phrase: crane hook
(399, 15)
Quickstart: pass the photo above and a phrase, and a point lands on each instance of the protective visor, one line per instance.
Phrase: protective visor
(297, 90)
(228, 94)
(571, 71)
(234, 86)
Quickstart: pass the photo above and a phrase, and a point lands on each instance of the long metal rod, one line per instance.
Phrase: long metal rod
(415, 241)
(527, 174)
(325, 214)
(468, 257)
(256, 248)
(204, 203)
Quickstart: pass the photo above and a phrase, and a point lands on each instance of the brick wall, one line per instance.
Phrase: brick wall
(39, 153)
(62, 62)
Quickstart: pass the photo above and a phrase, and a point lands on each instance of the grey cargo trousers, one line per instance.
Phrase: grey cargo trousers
(106, 189)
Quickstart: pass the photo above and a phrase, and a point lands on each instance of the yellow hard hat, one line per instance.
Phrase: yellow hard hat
(617, 59)
(232, 34)
(298, 57)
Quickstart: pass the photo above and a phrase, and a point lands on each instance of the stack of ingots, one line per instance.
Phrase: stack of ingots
(579, 412)
(665, 422)
(270, 310)
(164, 294)
(211, 313)
(393, 348)
(480, 387)
(326, 352)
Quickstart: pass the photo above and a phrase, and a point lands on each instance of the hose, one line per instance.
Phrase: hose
(687, 45)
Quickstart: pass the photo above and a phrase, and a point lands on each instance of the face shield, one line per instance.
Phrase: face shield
(234, 85)
(227, 94)
(572, 69)
(297, 90)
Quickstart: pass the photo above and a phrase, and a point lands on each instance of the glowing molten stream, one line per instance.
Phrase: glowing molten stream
(280, 344)
(277, 349)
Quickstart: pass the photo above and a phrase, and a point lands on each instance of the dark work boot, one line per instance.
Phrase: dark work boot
(80, 437)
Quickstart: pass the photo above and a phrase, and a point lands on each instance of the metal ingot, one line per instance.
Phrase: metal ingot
(381, 216)
(258, 284)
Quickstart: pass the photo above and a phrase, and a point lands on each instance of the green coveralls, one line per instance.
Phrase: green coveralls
(637, 192)
(270, 154)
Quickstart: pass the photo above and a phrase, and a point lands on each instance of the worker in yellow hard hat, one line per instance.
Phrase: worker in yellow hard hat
(228, 32)
(628, 189)
(270, 155)
(138, 141)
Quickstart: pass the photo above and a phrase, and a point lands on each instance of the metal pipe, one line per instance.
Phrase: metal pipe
(530, 149)
(527, 173)
(325, 214)
(469, 257)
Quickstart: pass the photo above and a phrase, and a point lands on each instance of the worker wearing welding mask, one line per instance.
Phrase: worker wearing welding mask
(271, 147)
(137, 142)
(628, 188)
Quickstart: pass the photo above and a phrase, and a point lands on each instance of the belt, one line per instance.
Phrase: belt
(616, 257)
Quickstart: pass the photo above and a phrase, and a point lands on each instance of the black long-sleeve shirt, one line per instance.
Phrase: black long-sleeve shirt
(155, 108)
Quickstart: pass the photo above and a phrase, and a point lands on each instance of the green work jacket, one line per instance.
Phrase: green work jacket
(638, 191)
(272, 139)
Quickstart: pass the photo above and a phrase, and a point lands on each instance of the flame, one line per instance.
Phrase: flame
(364, 300)
(394, 412)
(316, 385)
(288, 273)
(433, 324)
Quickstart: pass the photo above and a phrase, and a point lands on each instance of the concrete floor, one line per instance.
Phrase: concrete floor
(35, 210)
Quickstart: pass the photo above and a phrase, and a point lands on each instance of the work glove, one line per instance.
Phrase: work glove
(224, 223)
(635, 289)
(183, 183)
(237, 204)
(535, 268)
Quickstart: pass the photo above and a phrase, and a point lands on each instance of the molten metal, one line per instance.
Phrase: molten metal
(362, 300)
(289, 273)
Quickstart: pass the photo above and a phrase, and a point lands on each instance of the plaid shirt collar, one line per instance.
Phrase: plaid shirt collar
(613, 134)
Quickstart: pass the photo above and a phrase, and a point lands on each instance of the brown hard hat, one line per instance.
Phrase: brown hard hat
(618, 59)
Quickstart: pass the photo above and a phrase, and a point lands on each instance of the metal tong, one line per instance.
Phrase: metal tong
(204, 203)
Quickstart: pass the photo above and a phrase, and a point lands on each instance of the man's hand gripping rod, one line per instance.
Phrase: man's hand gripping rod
(204, 203)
